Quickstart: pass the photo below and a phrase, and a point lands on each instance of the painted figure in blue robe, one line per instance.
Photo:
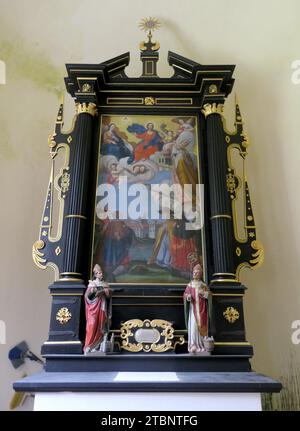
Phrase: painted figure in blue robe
(113, 248)
(114, 145)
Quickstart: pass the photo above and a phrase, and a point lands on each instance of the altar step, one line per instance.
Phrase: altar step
(147, 362)
(161, 383)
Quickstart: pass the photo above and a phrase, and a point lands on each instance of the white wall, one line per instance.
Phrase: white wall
(261, 37)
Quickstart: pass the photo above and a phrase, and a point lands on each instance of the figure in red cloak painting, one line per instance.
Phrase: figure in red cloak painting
(97, 310)
(195, 307)
(150, 141)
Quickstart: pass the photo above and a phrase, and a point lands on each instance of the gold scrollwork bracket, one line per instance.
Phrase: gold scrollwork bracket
(149, 336)
(60, 136)
(249, 252)
(47, 250)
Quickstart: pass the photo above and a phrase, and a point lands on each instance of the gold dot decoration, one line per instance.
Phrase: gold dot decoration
(57, 250)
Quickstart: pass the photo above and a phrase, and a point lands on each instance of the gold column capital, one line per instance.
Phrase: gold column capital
(86, 108)
(212, 108)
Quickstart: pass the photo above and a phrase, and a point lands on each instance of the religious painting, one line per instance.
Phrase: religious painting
(148, 215)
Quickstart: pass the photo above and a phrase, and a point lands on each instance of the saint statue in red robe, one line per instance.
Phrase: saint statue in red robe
(97, 310)
(195, 307)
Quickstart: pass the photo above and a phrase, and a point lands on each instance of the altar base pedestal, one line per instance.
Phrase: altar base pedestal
(147, 391)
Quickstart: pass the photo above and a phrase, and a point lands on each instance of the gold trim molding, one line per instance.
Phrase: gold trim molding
(225, 280)
(227, 294)
(221, 216)
(76, 216)
(62, 342)
(86, 108)
(70, 279)
(232, 343)
(212, 108)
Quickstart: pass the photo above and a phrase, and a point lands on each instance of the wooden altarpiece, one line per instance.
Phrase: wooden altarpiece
(103, 95)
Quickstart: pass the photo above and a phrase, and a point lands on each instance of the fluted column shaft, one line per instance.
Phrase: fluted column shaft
(75, 220)
(220, 210)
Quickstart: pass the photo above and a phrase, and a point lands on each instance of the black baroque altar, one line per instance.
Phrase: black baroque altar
(193, 90)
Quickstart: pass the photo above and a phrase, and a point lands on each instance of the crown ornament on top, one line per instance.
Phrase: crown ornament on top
(149, 25)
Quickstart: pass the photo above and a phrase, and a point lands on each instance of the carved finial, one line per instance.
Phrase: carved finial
(238, 116)
(240, 127)
(149, 25)
(60, 114)
(149, 54)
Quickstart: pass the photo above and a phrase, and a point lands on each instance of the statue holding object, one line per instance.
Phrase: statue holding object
(196, 313)
(98, 311)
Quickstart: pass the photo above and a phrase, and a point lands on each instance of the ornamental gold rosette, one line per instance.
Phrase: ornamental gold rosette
(231, 314)
(63, 315)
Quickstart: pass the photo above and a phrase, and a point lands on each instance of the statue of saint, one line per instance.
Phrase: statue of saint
(195, 310)
(97, 310)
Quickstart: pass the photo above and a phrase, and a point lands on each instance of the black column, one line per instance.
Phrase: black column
(226, 302)
(220, 215)
(67, 292)
(75, 220)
